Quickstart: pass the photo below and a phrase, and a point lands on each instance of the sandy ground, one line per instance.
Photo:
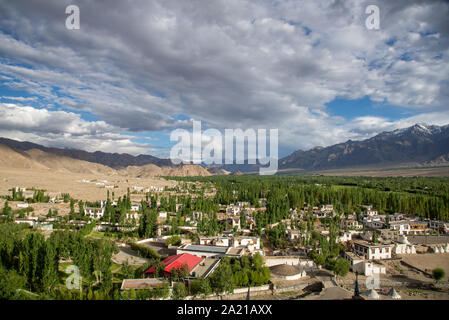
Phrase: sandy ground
(429, 261)
(127, 254)
(57, 182)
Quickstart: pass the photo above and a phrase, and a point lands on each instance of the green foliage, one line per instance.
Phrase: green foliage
(438, 274)
(319, 259)
(375, 237)
(174, 241)
(179, 291)
(341, 267)
(249, 271)
(10, 282)
(277, 236)
(200, 286)
(144, 251)
(127, 271)
(148, 222)
(66, 197)
(426, 197)
(221, 278)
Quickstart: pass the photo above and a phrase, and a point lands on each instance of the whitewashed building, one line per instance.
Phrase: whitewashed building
(360, 265)
(372, 251)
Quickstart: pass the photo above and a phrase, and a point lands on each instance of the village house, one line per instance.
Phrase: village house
(95, 213)
(351, 224)
(320, 214)
(344, 237)
(32, 221)
(133, 215)
(328, 208)
(250, 243)
(367, 268)
(293, 213)
(44, 226)
(293, 235)
(203, 251)
(154, 188)
(233, 209)
(402, 227)
(234, 222)
(243, 204)
(372, 251)
(215, 241)
(442, 227)
(418, 227)
(370, 213)
(163, 214)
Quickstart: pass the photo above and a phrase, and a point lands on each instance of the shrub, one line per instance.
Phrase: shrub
(438, 274)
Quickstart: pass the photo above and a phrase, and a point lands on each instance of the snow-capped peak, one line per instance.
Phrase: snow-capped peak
(419, 127)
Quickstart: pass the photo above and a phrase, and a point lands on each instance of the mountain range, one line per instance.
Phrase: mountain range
(113, 160)
(420, 144)
(36, 159)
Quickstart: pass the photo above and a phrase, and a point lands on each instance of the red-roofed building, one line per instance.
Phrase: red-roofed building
(177, 262)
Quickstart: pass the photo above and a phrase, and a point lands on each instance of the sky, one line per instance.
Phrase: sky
(137, 70)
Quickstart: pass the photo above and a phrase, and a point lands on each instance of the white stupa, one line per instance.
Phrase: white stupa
(442, 250)
(436, 250)
(413, 249)
(394, 295)
(403, 239)
(408, 250)
(447, 247)
(372, 294)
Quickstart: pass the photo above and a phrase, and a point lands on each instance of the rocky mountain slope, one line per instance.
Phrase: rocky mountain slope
(418, 144)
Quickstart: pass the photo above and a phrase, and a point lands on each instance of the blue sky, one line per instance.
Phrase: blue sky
(136, 71)
(352, 109)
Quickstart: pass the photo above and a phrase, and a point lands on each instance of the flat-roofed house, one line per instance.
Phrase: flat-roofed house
(31, 221)
(202, 250)
(215, 241)
(94, 213)
(372, 251)
(367, 268)
(251, 243)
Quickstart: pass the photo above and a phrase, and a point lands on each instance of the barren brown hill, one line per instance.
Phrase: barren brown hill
(185, 171)
(12, 159)
(66, 164)
(152, 170)
(146, 171)
(35, 159)
(217, 171)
